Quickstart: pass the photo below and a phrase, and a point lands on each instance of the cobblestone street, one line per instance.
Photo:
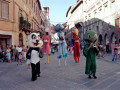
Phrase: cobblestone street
(54, 77)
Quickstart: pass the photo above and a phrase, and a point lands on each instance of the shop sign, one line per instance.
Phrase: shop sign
(116, 25)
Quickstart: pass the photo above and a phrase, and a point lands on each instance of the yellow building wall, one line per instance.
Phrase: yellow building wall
(12, 24)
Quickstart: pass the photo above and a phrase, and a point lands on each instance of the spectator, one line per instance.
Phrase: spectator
(24, 52)
(11, 52)
(15, 53)
(20, 58)
(107, 48)
(19, 49)
(119, 50)
(8, 54)
(99, 47)
(0, 48)
(104, 51)
(115, 54)
(112, 47)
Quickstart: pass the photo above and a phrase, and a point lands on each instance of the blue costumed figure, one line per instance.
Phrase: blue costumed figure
(62, 46)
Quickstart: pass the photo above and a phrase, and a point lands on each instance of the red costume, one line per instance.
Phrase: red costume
(76, 48)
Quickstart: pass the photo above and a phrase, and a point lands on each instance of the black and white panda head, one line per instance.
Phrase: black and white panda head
(34, 40)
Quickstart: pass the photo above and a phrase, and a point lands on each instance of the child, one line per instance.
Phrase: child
(71, 49)
(115, 55)
(24, 55)
(20, 58)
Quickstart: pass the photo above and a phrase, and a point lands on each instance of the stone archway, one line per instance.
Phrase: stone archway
(119, 41)
(106, 39)
(20, 39)
(100, 39)
(113, 37)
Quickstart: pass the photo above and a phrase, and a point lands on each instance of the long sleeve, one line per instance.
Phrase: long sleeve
(96, 51)
(27, 55)
(85, 51)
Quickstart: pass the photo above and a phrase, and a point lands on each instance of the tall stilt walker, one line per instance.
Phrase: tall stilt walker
(76, 38)
(62, 47)
(46, 46)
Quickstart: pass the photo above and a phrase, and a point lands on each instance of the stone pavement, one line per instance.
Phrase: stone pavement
(54, 77)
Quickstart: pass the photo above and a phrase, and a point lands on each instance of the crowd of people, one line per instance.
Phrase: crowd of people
(18, 53)
(13, 53)
(104, 49)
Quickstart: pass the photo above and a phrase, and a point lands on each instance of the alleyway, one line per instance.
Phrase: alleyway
(53, 77)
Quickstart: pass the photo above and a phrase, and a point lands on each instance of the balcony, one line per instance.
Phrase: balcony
(24, 25)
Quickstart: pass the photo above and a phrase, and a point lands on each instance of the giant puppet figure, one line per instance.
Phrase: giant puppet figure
(90, 52)
(76, 45)
(34, 54)
(62, 46)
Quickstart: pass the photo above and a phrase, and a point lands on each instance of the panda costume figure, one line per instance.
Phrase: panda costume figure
(34, 54)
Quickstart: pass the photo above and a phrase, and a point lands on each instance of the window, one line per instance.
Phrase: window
(29, 1)
(32, 3)
(5, 10)
(34, 7)
(26, 1)
(36, 10)
(20, 13)
(112, 7)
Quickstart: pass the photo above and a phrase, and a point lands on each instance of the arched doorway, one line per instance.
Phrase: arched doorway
(20, 39)
(119, 41)
(100, 39)
(113, 37)
(106, 40)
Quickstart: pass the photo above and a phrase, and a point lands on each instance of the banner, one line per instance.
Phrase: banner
(116, 25)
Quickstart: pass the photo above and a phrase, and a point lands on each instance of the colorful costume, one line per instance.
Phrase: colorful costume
(90, 52)
(46, 46)
(34, 54)
(76, 46)
(62, 47)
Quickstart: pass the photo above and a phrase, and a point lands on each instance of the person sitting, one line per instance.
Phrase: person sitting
(3, 56)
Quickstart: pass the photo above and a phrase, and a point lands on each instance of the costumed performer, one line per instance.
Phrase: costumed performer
(76, 39)
(62, 46)
(34, 54)
(46, 45)
(90, 52)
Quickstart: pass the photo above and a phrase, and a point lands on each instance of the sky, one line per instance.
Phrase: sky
(57, 9)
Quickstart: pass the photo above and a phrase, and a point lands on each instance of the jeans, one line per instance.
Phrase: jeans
(115, 56)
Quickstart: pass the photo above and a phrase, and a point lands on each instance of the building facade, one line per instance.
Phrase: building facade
(103, 16)
(75, 19)
(17, 18)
